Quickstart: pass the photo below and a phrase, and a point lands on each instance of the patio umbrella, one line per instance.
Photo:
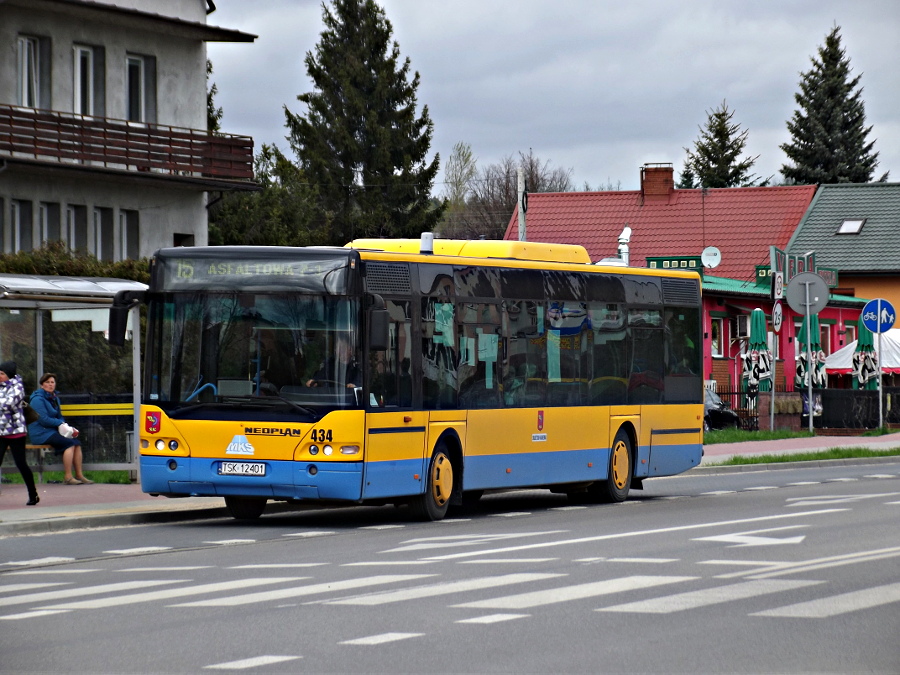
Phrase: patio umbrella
(757, 372)
(818, 375)
(865, 361)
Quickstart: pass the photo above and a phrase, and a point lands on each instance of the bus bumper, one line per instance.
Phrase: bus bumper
(199, 477)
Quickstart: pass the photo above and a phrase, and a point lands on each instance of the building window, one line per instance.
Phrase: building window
(851, 226)
(129, 235)
(48, 221)
(20, 215)
(825, 337)
(103, 234)
(83, 84)
(76, 227)
(28, 74)
(717, 337)
(849, 334)
(140, 88)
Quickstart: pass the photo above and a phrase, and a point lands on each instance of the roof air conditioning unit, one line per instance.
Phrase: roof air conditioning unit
(742, 326)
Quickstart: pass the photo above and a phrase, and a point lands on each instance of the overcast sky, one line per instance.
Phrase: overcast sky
(594, 86)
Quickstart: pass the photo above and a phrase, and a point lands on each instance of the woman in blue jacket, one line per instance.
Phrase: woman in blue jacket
(46, 430)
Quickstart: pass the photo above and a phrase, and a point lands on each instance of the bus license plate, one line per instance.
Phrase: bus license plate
(242, 469)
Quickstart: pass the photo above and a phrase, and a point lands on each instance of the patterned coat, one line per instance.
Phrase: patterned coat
(12, 419)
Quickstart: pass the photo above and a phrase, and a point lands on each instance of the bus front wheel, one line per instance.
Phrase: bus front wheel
(620, 471)
(245, 508)
(433, 504)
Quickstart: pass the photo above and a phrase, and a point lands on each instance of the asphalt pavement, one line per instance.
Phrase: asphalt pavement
(67, 507)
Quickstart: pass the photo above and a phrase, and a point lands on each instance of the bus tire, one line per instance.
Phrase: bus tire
(245, 508)
(619, 472)
(434, 502)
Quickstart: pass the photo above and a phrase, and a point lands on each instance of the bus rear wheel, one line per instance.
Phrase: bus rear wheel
(245, 508)
(433, 504)
(619, 474)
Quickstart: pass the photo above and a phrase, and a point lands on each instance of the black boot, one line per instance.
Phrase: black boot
(32, 500)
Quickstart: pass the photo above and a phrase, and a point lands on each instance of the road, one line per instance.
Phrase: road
(790, 571)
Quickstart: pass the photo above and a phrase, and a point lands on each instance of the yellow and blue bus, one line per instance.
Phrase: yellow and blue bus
(382, 372)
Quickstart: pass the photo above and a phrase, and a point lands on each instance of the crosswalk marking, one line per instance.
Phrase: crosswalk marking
(388, 563)
(40, 561)
(141, 549)
(707, 596)
(577, 592)
(254, 662)
(169, 593)
(85, 590)
(299, 591)
(494, 618)
(231, 542)
(174, 568)
(275, 566)
(306, 535)
(823, 608)
(30, 615)
(385, 597)
(381, 639)
(18, 588)
(505, 561)
(55, 571)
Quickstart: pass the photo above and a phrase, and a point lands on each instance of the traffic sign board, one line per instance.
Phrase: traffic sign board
(878, 315)
(806, 293)
(777, 316)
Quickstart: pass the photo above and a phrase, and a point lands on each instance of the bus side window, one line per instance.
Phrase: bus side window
(439, 355)
(389, 370)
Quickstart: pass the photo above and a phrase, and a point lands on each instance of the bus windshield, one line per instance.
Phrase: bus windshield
(210, 351)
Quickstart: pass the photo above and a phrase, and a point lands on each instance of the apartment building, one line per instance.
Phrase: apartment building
(103, 129)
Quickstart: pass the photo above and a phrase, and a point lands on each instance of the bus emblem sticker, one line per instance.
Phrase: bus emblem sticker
(540, 420)
(239, 446)
(152, 423)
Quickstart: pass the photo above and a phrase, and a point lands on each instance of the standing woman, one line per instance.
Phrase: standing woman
(51, 429)
(12, 425)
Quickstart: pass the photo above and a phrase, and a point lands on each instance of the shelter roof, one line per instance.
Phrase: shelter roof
(873, 248)
(741, 222)
(30, 288)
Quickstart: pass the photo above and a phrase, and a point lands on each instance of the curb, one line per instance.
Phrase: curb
(780, 466)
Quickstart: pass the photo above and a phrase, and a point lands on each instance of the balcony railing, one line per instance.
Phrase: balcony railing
(98, 141)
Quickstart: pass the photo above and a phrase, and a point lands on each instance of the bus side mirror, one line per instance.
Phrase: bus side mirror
(378, 329)
(118, 314)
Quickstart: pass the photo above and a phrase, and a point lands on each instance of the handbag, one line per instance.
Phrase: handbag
(31, 414)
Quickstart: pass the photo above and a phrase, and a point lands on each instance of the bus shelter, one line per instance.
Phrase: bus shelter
(60, 324)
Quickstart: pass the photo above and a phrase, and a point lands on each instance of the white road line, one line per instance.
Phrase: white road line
(451, 521)
(381, 527)
(775, 569)
(381, 639)
(142, 549)
(716, 493)
(637, 533)
(254, 662)
(229, 542)
(445, 588)
(880, 475)
(805, 482)
(841, 480)
(568, 508)
(84, 590)
(40, 561)
(18, 588)
(275, 566)
(761, 487)
(30, 615)
(838, 604)
(511, 514)
(382, 563)
(707, 596)
(169, 593)
(577, 592)
(305, 535)
(494, 618)
(54, 571)
(181, 568)
(644, 560)
(503, 561)
(300, 591)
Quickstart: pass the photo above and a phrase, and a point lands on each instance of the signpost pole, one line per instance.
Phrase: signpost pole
(878, 361)
(809, 363)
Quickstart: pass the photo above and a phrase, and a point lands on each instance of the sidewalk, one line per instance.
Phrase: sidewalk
(66, 507)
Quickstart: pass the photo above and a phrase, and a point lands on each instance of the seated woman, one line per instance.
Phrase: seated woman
(50, 427)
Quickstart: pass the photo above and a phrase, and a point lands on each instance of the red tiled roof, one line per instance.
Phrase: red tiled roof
(741, 222)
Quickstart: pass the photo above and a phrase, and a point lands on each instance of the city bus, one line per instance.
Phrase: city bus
(417, 373)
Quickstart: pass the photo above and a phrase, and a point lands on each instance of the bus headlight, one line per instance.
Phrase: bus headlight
(160, 444)
(314, 449)
(327, 450)
(173, 445)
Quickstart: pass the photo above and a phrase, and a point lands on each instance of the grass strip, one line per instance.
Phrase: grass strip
(831, 453)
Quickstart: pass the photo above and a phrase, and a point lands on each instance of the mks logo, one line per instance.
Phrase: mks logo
(540, 420)
(239, 446)
(152, 422)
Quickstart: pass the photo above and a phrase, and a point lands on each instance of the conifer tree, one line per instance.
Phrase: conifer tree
(714, 162)
(828, 132)
(360, 142)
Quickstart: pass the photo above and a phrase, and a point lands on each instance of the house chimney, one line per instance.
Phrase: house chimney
(657, 181)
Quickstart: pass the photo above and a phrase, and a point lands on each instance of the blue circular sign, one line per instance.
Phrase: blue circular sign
(878, 315)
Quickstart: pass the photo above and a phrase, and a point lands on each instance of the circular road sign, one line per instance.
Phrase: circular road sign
(878, 315)
(777, 316)
(807, 292)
